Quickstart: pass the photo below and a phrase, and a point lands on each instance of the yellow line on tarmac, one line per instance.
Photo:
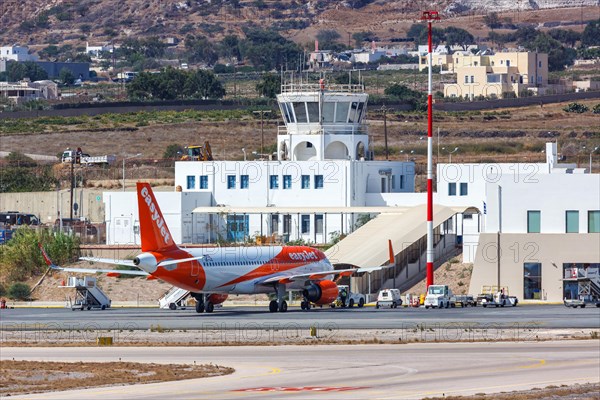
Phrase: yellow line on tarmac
(540, 362)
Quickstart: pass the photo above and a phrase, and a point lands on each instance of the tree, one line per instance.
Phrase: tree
(28, 69)
(66, 76)
(591, 34)
(173, 151)
(50, 52)
(270, 86)
(20, 178)
(230, 48)
(268, 50)
(568, 37)
(327, 38)
(492, 20)
(458, 36)
(437, 36)
(173, 83)
(200, 49)
(21, 257)
(204, 85)
(415, 31)
(412, 97)
(19, 291)
(558, 55)
(18, 159)
(361, 37)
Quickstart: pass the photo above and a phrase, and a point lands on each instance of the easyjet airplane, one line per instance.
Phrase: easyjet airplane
(211, 274)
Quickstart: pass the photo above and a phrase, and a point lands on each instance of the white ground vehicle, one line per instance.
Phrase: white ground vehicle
(388, 298)
(82, 158)
(350, 300)
(439, 296)
(500, 300)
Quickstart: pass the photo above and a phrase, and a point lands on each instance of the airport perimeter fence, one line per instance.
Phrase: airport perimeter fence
(440, 105)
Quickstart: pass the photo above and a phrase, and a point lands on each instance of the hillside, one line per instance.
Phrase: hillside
(45, 22)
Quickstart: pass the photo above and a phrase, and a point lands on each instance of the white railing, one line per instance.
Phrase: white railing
(315, 87)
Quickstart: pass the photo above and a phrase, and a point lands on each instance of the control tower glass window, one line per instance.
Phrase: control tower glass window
(313, 111)
(300, 111)
(359, 112)
(341, 112)
(353, 117)
(328, 112)
(288, 114)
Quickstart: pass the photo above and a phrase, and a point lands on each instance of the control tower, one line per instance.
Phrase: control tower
(323, 121)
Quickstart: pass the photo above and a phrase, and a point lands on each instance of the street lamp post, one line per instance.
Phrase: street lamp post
(450, 153)
(591, 153)
(124, 159)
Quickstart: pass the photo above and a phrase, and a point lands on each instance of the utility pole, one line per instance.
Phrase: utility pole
(72, 184)
(262, 130)
(385, 110)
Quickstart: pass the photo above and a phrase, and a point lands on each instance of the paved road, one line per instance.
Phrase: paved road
(408, 371)
(539, 316)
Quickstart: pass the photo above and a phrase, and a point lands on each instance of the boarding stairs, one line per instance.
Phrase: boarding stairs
(87, 294)
(174, 298)
(367, 247)
(588, 281)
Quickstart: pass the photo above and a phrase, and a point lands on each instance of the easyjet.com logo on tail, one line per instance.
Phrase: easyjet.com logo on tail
(159, 221)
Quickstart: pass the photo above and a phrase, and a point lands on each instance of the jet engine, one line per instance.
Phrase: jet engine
(322, 292)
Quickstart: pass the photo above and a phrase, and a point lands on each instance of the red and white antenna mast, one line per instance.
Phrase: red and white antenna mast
(429, 17)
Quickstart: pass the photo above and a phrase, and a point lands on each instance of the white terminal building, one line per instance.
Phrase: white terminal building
(322, 181)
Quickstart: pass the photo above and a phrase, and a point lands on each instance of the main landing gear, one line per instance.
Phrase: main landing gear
(201, 304)
(305, 305)
(280, 304)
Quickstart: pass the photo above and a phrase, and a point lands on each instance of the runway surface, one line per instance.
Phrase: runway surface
(408, 371)
(534, 316)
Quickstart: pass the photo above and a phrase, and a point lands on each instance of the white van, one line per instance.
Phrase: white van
(389, 297)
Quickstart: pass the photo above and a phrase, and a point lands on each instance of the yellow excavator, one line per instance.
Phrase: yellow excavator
(198, 153)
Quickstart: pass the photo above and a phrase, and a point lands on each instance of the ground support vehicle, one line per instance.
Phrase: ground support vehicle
(500, 300)
(87, 294)
(582, 286)
(388, 298)
(463, 300)
(351, 299)
(439, 296)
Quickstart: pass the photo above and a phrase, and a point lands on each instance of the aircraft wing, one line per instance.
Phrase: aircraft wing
(128, 263)
(109, 272)
(315, 276)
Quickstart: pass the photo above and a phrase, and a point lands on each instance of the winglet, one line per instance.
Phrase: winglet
(46, 258)
(392, 256)
(153, 228)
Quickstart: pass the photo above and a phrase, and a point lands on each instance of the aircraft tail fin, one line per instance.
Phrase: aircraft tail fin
(153, 228)
(392, 256)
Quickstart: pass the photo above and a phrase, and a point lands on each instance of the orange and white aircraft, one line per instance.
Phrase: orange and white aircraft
(211, 274)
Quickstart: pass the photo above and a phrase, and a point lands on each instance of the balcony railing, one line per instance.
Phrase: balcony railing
(315, 87)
